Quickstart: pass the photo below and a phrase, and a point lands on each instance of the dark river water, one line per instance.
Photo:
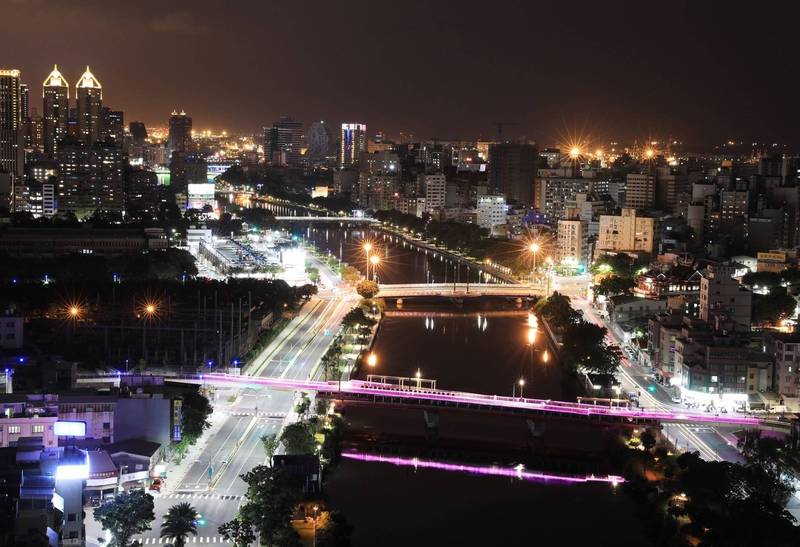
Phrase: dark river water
(485, 347)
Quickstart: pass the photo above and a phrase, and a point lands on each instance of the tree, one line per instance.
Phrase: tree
(584, 347)
(297, 438)
(350, 274)
(313, 274)
(179, 522)
(306, 291)
(303, 405)
(367, 289)
(337, 531)
(128, 514)
(239, 532)
(773, 307)
(271, 499)
(195, 411)
(258, 218)
(768, 280)
(270, 444)
(614, 285)
(556, 309)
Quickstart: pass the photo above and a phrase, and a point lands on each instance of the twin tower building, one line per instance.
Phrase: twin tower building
(56, 109)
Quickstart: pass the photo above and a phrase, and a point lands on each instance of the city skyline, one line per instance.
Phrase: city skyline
(602, 74)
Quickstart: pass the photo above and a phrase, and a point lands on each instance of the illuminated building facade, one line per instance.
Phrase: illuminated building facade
(283, 142)
(11, 153)
(180, 132)
(89, 95)
(353, 143)
(55, 96)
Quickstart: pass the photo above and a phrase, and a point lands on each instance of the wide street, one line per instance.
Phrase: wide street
(232, 446)
(713, 443)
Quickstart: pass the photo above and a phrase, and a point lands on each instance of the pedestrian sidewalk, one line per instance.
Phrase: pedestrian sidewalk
(177, 472)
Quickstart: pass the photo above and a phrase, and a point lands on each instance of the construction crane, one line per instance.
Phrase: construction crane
(500, 126)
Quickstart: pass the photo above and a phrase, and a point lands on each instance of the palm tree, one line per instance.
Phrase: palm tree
(179, 522)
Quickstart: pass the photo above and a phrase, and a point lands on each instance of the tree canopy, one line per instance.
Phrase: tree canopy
(614, 285)
(367, 288)
(128, 514)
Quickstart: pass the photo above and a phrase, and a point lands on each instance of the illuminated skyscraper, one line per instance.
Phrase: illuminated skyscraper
(113, 126)
(11, 160)
(283, 140)
(319, 141)
(56, 110)
(352, 144)
(180, 132)
(25, 103)
(89, 96)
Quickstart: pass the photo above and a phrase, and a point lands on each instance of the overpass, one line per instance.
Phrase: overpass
(311, 218)
(458, 290)
(384, 394)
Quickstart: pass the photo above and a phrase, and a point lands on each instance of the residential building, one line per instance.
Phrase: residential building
(512, 171)
(572, 243)
(180, 133)
(640, 191)
(435, 190)
(720, 295)
(787, 367)
(11, 331)
(624, 308)
(283, 142)
(556, 194)
(491, 212)
(626, 232)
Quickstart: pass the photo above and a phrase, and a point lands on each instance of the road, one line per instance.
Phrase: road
(713, 443)
(246, 415)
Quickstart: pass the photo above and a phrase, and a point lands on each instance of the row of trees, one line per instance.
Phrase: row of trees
(583, 343)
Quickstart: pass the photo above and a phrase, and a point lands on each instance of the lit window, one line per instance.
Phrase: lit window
(12, 429)
(38, 428)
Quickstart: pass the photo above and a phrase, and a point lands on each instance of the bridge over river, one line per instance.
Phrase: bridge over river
(411, 396)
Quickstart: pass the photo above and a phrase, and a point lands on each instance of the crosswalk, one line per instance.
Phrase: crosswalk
(219, 540)
(187, 496)
(273, 415)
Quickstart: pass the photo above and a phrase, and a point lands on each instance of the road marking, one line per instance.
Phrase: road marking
(184, 496)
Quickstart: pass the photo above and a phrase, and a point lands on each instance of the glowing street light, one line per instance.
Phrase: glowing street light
(532, 335)
(374, 260)
(534, 248)
(545, 357)
(649, 153)
(372, 359)
(74, 312)
(521, 386)
(367, 247)
(418, 376)
(574, 152)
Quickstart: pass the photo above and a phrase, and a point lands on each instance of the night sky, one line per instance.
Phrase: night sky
(701, 71)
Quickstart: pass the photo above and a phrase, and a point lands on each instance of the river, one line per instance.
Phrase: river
(416, 496)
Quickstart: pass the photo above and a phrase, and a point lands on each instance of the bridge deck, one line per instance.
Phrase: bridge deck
(386, 393)
(457, 290)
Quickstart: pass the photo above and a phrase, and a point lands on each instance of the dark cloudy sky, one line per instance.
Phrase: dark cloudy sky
(700, 70)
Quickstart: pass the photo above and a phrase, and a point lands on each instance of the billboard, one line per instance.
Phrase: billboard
(70, 429)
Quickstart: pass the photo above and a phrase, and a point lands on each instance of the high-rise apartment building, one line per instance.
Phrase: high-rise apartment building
(512, 171)
(25, 101)
(55, 93)
(89, 96)
(353, 143)
(138, 133)
(90, 177)
(435, 189)
(180, 132)
(283, 142)
(671, 183)
(492, 211)
(11, 151)
(640, 191)
(572, 243)
(319, 141)
(556, 194)
(626, 233)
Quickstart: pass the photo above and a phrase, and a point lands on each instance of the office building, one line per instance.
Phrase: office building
(491, 212)
(626, 233)
(89, 97)
(640, 191)
(90, 178)
(512, 171)
(352, 144)
(180, 133)
(283, 142)
(37, 199)
(671, 183)
(319, 141)
(721, 295)
(787, 367)
(55, 94)
(11, 151)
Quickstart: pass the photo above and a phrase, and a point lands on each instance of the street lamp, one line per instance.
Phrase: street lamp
(372, 360)
(534, 248)
(316, 508)
(374, 260)
(521, 386)
(367, 248)
(418, 375)
(545, 357)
